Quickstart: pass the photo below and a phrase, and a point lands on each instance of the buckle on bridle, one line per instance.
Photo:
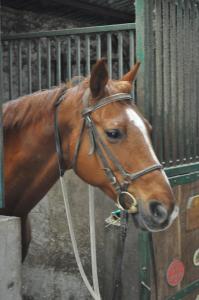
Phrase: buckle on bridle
(132, 207)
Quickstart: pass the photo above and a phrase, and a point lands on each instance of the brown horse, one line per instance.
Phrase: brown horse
(31, 166)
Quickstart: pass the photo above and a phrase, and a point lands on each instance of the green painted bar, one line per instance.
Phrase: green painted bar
(144, 265)
(1, 127)
(164, 68)
(58, 62)
(159, 116)
(185, 291)
(187, 75)
(20, 68)
(49, 63)
(68, 54)
(109, 54)
(88, 58)
(39, 63)
(78, 44)
(140, 51)
(98, 47)
(182, 169)
(10, 69)
(180, 68)
(143, 238)
(195, 65)
(74, 31)
(29, 67)
(120, 54)
(184, 179)
(131, 48)
(173, 120)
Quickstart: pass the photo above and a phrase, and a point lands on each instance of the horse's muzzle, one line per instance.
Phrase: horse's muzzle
(155, 217)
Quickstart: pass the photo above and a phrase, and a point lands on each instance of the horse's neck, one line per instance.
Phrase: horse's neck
(31, 166)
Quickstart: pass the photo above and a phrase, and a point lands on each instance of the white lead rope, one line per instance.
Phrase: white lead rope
(94, 293)
(93, 240)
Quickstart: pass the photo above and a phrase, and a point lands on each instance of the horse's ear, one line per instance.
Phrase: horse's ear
(99, 78)
(130, 76)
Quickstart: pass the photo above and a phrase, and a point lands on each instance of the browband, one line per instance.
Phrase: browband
(107, 100)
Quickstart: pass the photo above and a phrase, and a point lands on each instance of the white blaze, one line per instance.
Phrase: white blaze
(139, 123)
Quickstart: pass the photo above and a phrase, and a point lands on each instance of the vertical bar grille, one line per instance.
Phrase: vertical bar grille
(176, 96)
(1, 127)
(42, 60)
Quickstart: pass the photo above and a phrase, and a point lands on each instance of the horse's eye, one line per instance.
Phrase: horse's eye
(114, 134)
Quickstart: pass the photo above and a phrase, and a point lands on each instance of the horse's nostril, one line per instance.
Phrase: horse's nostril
(158, 212)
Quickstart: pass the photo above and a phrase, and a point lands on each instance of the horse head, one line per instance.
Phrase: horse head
(112, 150)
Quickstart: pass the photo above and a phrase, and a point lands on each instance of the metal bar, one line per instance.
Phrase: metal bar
(1, 126)
(39, 64)
(195, 65)
(186, 84)
(49, 63)
(185, 291)
(192, 87)
(180, 86)
(149, 71)
(19, 68)
(78, 56)
(166, 93)
(29, 66)
(143, 238)
(131, 48)
(69, 71)
(184, 179)
(132, 56)
(182, 169)
(88, 58)
(120, 54)
(109, 54)
(58, 62)
(74, 31)
(10, 70)
(144, 265)
(98, 50)
(196, 36)
(173, 83)
(159, 113)
(140, 52)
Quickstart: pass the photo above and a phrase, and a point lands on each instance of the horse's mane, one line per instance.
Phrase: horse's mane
(40, 105)
(31, 108)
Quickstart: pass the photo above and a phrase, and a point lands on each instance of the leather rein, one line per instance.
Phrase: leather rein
(99, 147)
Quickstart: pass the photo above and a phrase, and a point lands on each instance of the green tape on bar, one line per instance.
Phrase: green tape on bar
(183, 174)
(185, 291)
(144, 265)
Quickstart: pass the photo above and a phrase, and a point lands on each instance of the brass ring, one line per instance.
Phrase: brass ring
(133, 207)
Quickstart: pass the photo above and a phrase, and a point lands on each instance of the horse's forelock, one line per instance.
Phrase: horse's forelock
(30, 108)
(122, 86)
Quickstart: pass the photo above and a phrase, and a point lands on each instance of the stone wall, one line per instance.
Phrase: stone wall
(10, 258)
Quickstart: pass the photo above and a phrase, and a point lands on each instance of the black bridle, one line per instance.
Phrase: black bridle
(99, 147)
